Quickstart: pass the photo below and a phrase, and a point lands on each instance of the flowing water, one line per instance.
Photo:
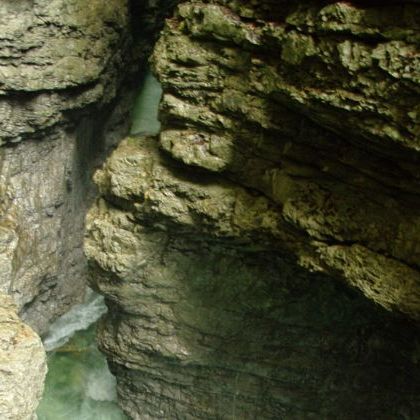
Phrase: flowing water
(79, 318)
(79, 385)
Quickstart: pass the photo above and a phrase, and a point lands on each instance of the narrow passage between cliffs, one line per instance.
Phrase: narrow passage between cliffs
(79, 385)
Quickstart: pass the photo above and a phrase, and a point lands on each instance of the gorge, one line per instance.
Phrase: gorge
(259, 252)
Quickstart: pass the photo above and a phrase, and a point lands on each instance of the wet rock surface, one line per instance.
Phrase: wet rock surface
(286, 170)
(68, 75)
(305, 110)
(60, 70)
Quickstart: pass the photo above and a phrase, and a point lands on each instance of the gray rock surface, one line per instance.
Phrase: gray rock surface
(60, 71)
(68, 74)
(298, 103)
(22, 365)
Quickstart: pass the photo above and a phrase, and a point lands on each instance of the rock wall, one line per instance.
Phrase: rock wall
(60, 72)
(286, 171)
(69, 72)
(22, 365)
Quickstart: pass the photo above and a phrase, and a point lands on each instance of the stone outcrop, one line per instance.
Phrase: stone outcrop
(286, 171)
(314, 107)
(69, 72)
(22, 365)
(60, 72)
(209, 319)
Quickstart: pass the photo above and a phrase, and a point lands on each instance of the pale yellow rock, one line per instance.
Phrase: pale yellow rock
(22, 365)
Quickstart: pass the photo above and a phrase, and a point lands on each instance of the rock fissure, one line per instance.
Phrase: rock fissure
(259, 257)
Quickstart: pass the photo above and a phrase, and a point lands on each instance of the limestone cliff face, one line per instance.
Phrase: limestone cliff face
(286, 170)
(60, 70)
(67, 74)
(22, 365)
(317, 109)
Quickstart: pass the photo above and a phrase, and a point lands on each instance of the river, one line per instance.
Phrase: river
(79, 385)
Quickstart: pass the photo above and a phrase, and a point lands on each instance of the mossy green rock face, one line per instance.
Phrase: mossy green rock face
(314, 107)
(286, 170)
(210, 318)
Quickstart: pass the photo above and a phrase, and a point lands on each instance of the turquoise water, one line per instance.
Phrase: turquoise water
(145, 113)
(79, 385)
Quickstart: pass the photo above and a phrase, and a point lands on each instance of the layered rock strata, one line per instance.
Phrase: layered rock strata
(22, 365)
(316, 108)
(60, 71)
(209, 319)
(68, 74)
(286, 170)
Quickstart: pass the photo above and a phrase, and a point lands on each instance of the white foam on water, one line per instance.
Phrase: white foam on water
(88, 413)
(101, 385)
(80, 317)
